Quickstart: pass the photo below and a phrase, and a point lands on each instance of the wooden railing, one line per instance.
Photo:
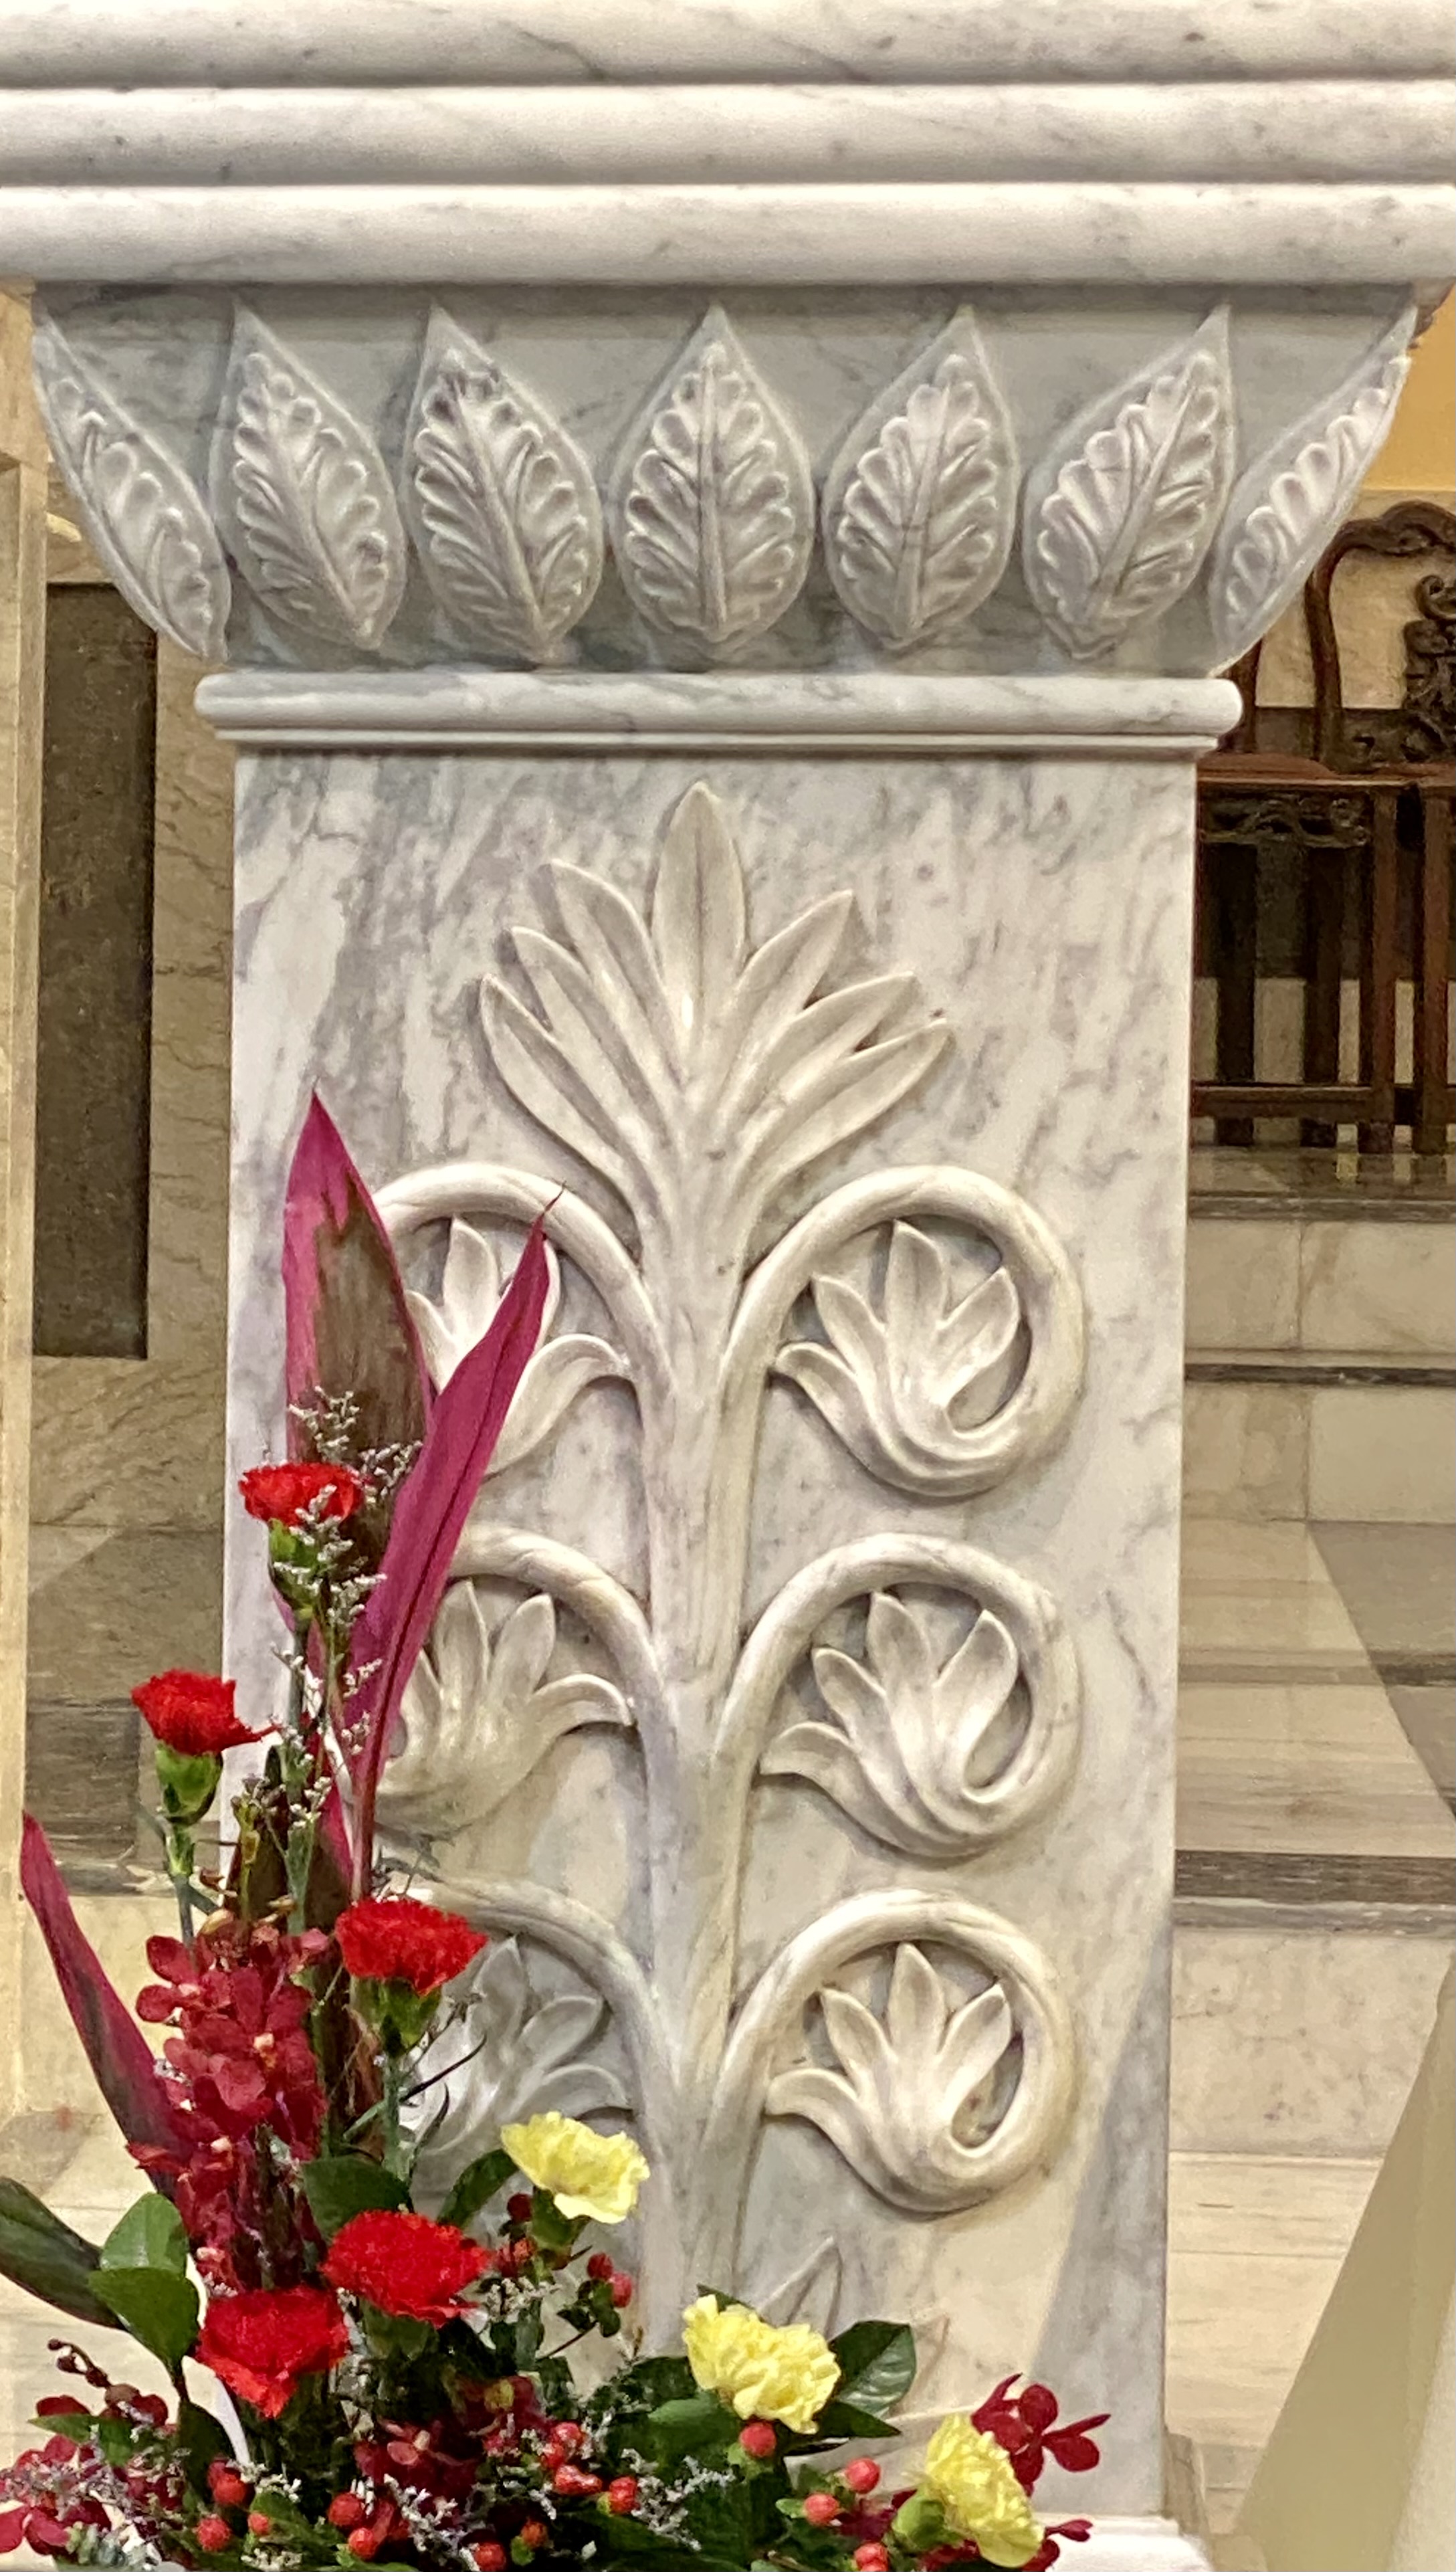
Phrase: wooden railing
(1361, 835)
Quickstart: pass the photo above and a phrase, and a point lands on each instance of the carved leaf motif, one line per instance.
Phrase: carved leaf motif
(304, 488)
(916, 2094)
(1122, 512)
(518, 2057)
(1289, 504)
(909, 1389)
(470, 1290)
(694, 1073)
(500, 500)
(480, 1714)
(715, 508)
(920, 508)
(905, 1756)
(144, 515)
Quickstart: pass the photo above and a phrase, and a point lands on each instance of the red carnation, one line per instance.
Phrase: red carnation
(405, 2265)
(282, 1494)
(192, 1714)
(403, 1941)
(262, 2344)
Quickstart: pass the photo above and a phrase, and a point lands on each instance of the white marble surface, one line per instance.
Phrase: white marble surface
(1246, 233)
(1049, 130)
(575, 40)
(1043, 913)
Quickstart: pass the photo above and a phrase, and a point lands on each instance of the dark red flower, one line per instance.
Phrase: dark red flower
(283, 1493)
(192, 1714)
(405, 2265)
(242, 2053)
(1026, 2426)
(1073, 2531)
(42, 2502)
(403, 1941)
(261, 2345)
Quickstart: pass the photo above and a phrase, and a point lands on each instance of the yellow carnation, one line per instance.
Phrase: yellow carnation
(766, 2374)
(970, 2475)
(586, 2173)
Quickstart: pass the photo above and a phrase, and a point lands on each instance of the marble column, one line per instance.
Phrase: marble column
(722, 545)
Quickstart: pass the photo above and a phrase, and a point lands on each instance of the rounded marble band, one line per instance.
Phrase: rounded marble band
(846, 713)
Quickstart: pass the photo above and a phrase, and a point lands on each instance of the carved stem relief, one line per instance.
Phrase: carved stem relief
(710, 500)
(926, 1693)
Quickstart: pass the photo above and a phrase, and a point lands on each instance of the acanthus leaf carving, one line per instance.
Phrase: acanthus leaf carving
(480, 1713)
(500, 501)
(714, 513)
(563, 1366)
(1289, 503)
(145, 520)
(505, 2055)
(1122, 512)
(305, 492)
(919, 508)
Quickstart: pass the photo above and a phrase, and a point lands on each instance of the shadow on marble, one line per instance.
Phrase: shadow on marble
(1256, 1595)
(1397, 1584)
(104, 1618)
(1303, 1771)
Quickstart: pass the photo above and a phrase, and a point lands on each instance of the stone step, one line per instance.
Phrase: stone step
(1287, 1433)
(1284, 1273)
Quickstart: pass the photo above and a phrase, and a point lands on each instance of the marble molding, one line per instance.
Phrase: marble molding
(720, 522)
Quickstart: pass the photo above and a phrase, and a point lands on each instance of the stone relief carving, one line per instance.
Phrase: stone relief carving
(709, 497)
(563, 1364)
(920, 507)
(303, 494)
(1290, 502)
(699, 1068)
(1121, 513)
(144, 515)
(715, 512)
(500, 501)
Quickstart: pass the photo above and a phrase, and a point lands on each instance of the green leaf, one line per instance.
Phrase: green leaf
(627, 2539)
(477, 2183)
(528, 2337)
(876, 2363)
(78, 2424)
(200, 2441)
(689, 2425)
(148, 2236)
(553, 2229)
(850, 2420)
(42, 2254)
(347, 2185)
(159, 2309)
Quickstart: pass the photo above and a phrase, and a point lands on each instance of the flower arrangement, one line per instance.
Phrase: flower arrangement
(399, 2384)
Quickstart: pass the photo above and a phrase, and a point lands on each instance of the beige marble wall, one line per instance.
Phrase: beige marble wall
(22, 629)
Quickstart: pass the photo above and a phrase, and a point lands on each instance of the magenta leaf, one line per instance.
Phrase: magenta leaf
(349, 1327)
(429, 1513)
(117, 2051)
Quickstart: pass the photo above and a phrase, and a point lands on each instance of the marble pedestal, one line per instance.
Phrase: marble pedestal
(838, 1533)
(723, 520)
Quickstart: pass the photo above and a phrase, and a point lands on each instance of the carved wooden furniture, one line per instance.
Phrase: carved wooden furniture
(1367, 822)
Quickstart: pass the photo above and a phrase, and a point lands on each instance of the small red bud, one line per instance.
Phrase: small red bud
(574, 2483)
(213, 2535)
(821, 2510)
(600, 2266)
(622, 2495)
(259, 2522)
(346, 2510)
(489, 2557)
(535, 2534)
(518, 2208)
(569, 2435)
(861, 2474)
(759, 2438)
(871, 2558)
(226, 2484)
(365, 2542)
(521, 2252)
(622, 2289)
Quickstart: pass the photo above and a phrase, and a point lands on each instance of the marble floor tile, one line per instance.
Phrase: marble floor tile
(1397, 1584)
(1301, 1769)
(1298, 2040)
(1246, 1450)
(1380, 1452)
(1262, 1592)
(1427, 1717)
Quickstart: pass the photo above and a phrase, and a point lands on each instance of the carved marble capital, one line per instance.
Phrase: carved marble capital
(950, 482)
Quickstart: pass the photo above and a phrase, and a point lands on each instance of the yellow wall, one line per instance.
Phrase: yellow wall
(1420, 452)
